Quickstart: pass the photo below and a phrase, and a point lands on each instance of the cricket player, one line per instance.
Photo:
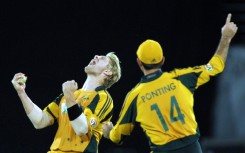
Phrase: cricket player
(162, 102)
(79, 113)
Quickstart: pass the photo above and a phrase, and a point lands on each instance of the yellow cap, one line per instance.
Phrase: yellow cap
(150, 52)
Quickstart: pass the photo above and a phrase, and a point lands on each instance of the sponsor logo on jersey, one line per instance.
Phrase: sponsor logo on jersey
(93, 122)
(85, 97)
(209, 67)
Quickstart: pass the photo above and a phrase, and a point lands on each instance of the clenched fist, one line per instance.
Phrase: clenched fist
(107, 129)
(19, 82)
(69, 87)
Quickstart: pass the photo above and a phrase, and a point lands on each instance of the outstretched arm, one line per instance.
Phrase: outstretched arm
(38, 118)
(228, 31)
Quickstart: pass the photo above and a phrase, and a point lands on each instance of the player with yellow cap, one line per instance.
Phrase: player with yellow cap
(162, 102)
(150, 52)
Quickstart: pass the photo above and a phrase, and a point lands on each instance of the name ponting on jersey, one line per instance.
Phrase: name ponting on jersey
(158, 92)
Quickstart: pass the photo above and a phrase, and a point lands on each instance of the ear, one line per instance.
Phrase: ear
(139, 62)
(163, 60)
(107, 73)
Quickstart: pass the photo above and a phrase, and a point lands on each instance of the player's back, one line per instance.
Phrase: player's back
(165, 109)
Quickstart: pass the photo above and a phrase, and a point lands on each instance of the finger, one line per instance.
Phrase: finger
(110, 124)
(17, 78)
(73, 82)
(228, 19)
(66, 82)
(236, 28)
(15, 83)
(18, 75)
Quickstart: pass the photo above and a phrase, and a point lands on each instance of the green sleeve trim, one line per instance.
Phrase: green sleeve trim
(58, 99)
(189, 80)
(49, 111)
(108, 116)
(106, 106)
(92, 146)
(94, 103)
(131, 113)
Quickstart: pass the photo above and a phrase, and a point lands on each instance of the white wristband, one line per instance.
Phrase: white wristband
(80, 125)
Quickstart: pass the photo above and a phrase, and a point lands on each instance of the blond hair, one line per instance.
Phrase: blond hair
(115, 68)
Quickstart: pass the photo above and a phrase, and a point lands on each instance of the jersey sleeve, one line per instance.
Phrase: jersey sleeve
(53, 108)
(196, 76)
(126, 121)
(100, 110)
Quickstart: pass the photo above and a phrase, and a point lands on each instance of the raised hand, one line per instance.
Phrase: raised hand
(69, 87)
(229, 29)
(19, 82)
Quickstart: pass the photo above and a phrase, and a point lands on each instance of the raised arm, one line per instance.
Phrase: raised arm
(19, 83)
(38, 118)
(228, 31)
(77, 118)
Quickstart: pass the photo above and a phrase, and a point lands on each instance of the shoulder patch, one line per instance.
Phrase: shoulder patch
(208, 67)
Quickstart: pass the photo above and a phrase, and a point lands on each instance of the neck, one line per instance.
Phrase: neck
(91, 83)
(146, 72)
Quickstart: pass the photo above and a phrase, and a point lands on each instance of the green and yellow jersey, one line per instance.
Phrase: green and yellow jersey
(163, 105)
(97, 106)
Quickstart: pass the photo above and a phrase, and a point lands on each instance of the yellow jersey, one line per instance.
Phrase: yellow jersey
(97, 106)
(162, 103)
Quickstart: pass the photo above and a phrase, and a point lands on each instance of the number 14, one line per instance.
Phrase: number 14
(174, 105)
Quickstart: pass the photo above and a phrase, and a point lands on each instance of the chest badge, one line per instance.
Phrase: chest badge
(93, 122)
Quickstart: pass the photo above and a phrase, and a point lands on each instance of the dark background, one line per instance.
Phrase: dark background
(52, 41)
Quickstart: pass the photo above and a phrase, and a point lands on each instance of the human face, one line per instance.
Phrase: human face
(98, 65)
